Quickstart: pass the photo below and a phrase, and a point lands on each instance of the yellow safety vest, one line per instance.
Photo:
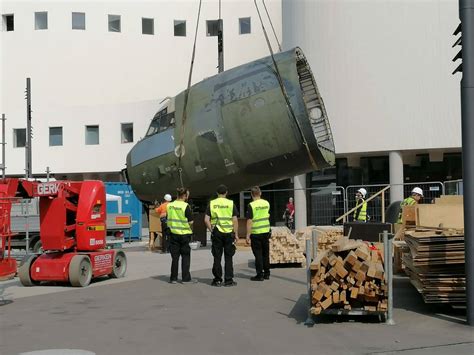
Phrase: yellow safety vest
(221, 214)
(177, 221)
(260, 216)
(409, 201)
(363, 211)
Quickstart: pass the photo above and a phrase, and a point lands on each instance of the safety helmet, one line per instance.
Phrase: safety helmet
(167, 197)
(362, 191)
(418, 191)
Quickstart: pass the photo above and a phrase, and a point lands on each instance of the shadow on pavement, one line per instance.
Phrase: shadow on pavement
(405, 296)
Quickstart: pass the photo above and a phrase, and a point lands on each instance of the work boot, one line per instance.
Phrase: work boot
(266, 276)
(192, 281)
(216, 283)
(230, 283)
(257, 278)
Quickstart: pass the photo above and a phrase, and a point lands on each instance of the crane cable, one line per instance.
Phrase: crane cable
(180, 148)
(271, 24)
(285, 95)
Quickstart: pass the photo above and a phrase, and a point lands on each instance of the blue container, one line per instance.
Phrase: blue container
(130, 204)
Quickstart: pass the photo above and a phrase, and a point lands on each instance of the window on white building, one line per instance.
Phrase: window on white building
(148, 26)
(92, 135)
(8, 23)
(41, 20)
(212, 27)
(19, 137)
(127, 132)
(115, 23)
(180, 28)
(78, 21)
(55, 136)
(244, 25)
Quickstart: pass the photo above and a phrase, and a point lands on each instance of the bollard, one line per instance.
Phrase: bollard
(387, 247)
(314, 240)
(309, 321)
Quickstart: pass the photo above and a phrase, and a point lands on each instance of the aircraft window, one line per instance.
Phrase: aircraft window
(161, 122)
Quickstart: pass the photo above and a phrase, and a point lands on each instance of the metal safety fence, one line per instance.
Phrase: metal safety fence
(454, 187)
(397, 192)
(324, 204)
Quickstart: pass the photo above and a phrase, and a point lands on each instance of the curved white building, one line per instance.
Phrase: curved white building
(384, 71)
(100, 69)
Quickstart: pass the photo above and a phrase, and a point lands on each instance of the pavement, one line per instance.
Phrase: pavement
(144, 314)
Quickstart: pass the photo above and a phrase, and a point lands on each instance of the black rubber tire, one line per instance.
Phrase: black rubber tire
(24, 271)
(38, 247)
(119, 266)
(80, 271)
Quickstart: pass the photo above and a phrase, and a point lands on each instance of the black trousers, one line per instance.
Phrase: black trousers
(260, 244)
(179, 247)
(222, 243)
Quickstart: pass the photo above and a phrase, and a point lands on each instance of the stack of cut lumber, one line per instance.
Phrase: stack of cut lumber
(284, 247)
(327, 236)
(435, 264)
(349, 276)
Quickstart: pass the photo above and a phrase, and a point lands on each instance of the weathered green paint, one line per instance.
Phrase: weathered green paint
(238, 132)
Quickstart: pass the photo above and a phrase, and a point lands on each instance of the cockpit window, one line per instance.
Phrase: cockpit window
(161, 122)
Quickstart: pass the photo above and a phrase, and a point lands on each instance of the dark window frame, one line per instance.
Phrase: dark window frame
(15, 137)
(6, 22)
(241, 19)
(72, 21)
(179, 23)
(98, 134)
(123, 140)
(152, 26)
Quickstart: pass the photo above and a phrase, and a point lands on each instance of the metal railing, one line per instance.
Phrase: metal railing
(431, 190)
(454, 187)
(324, 204)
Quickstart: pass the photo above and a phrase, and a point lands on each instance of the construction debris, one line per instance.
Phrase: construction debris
(285, 248)
(349, 276)
(435, 264)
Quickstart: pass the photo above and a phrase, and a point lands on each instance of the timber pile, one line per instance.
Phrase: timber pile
(326, 236)
(435, 264)
(284, 247)
(349, 276)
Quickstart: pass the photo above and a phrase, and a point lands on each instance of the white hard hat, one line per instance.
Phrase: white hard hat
(362, 191)
(418, 191)
(167, 197)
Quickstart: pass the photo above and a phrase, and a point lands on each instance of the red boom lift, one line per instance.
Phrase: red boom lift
(7, 263)
(72, 231)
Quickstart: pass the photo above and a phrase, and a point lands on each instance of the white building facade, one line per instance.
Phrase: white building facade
(384, 69)
(100, 69)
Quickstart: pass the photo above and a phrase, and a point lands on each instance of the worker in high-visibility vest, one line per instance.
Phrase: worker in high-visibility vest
(416, 196)
(360, 214)
(180, 221)
(161, 211)
(221, 221)
(258, 233)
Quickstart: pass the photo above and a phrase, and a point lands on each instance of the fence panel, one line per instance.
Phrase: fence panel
(454, 187)
(431, 190)
(374, 207)
(324, 205)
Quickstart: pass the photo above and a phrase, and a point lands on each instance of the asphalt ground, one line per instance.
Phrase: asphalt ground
(144, 314)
